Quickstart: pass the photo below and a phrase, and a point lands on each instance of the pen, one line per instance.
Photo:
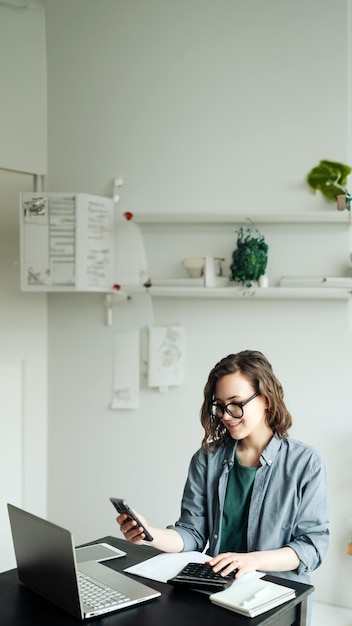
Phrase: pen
(255, 596)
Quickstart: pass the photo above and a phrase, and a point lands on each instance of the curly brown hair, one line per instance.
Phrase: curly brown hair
(255, 366)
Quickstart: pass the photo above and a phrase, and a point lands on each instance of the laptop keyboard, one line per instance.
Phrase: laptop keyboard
(97, 597)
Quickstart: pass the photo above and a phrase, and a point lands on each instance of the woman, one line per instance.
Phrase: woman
(254, 497)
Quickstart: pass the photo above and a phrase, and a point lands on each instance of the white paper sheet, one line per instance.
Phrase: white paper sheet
(94, 243)
(66, 242)
(166, 356)
(165, 566)
(130, 261)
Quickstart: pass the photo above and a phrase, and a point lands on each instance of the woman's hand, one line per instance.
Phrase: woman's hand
(165, 539)
(280, 560)
(234, 562)
(130, 530)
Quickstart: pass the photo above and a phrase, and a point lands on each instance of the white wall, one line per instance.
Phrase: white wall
(23, 362)
(204, 106)
(23, 321)
(23, 86)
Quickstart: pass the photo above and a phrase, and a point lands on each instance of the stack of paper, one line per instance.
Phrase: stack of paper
(253, 597)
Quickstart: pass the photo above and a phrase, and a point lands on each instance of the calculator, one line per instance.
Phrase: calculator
(202, 576)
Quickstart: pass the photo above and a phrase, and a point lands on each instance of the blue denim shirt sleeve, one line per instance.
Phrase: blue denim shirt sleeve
(193, 524)
(288, 505)
(292, 504)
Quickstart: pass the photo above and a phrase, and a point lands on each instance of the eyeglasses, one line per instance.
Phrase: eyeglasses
(233, 409)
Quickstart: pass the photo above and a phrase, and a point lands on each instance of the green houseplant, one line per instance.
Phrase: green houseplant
(330, 178)
(250, 258)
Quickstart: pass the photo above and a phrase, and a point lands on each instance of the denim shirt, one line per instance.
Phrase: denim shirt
(288, 504)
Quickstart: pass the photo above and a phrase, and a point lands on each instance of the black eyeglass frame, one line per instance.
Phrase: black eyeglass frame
(225, 407)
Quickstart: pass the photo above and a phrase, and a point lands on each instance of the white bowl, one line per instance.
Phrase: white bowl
(194, 266)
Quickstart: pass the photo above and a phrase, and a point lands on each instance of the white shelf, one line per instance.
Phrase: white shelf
(234, 293)
(231, 292)
(269, 293)
(301, 217)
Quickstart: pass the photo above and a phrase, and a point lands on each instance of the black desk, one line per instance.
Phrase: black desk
(176, 607)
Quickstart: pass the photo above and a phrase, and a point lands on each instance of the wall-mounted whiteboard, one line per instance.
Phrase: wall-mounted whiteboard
(66, 242)
(23, 118)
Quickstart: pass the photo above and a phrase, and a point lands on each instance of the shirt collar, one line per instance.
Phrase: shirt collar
(269, 453)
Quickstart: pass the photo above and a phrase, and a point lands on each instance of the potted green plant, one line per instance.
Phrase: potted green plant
(330, 178)
(250, 258)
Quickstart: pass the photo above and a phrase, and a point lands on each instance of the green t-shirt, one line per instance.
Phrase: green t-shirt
(236, 507)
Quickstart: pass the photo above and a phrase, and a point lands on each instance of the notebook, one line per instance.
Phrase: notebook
(253, 597)
(47, 564)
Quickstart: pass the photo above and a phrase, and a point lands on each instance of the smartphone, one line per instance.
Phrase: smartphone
(121, 506)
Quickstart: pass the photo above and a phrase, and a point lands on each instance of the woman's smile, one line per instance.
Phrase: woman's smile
(231, 425)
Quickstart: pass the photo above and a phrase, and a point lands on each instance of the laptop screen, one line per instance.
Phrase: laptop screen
(45, 559)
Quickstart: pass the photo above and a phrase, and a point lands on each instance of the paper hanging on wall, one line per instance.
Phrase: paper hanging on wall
(66, 242)
(166, 356)
(130, 261)
(126, 371)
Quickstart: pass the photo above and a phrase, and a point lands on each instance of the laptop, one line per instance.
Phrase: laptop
(47, 564)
